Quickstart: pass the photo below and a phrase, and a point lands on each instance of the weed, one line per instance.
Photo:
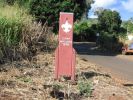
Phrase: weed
(57, 87)
(25, 79)
(85, 88)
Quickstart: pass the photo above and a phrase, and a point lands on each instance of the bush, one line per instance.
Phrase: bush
(12, 2)
(20, 35)
(12, 21)
(81, 27)
(109, 42)
(84, 31)
(36, 38)
(10, 28)
(85, 88)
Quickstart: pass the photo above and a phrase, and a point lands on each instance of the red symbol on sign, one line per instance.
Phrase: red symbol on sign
(65, 54)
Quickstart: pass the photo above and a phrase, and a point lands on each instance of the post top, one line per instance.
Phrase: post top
(66, 13)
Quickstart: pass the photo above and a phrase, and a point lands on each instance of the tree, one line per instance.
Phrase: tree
(85, 30)
(109, 21)
(128, 25)
(131, 19)
(48, 10)
(98, 11)
(109, 26)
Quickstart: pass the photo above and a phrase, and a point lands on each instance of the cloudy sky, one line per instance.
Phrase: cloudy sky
(124, 7)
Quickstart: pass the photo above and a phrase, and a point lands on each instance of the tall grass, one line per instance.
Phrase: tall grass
(12, 21)
(19, 32)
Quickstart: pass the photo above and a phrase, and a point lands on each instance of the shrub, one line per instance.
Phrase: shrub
(81, 27)
(36, 38)
(12, 21)
(20, 35)
(12, 2)
(85, 88)
(109, 42)
(84, 31)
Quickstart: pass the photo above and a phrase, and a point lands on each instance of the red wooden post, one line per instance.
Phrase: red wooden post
(65, 53)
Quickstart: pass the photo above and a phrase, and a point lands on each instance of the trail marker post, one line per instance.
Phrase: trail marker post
(65, 53)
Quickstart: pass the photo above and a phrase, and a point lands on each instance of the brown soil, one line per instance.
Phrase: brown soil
(127, 57)
(35, 81)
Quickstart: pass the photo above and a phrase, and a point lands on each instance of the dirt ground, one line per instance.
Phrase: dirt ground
(127, 57)
(34, 80)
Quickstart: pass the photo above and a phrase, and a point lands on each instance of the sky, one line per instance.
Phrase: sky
(124, 7)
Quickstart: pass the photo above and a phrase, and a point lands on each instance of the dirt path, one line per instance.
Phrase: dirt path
(121, 67)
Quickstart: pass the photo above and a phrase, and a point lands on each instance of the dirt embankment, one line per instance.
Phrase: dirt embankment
(34, 81)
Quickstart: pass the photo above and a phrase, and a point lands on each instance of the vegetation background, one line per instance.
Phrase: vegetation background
(25, 24)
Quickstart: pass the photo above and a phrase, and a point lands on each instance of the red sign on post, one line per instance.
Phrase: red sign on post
(65, 54)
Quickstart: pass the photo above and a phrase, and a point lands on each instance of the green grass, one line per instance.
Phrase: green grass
(19, 32)
(13, 21)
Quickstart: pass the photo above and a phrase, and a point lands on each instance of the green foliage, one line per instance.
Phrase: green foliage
(25, 79)
(109, 26)
(123, 33)
(109, 42)
(13, 19)
(109, 21)
(48, 10)
(20, 34)
(85, 30)
(21, 3)
(128, 25)
(85, 88)
(10, 2)
(57, 87)
(81, 27)
(10, 35)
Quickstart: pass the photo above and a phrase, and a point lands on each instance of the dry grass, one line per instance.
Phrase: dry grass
(20, 36)
(15, 13)
(35, 80)
(12, 21)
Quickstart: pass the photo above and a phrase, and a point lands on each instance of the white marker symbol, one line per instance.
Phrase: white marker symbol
(66, 27)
